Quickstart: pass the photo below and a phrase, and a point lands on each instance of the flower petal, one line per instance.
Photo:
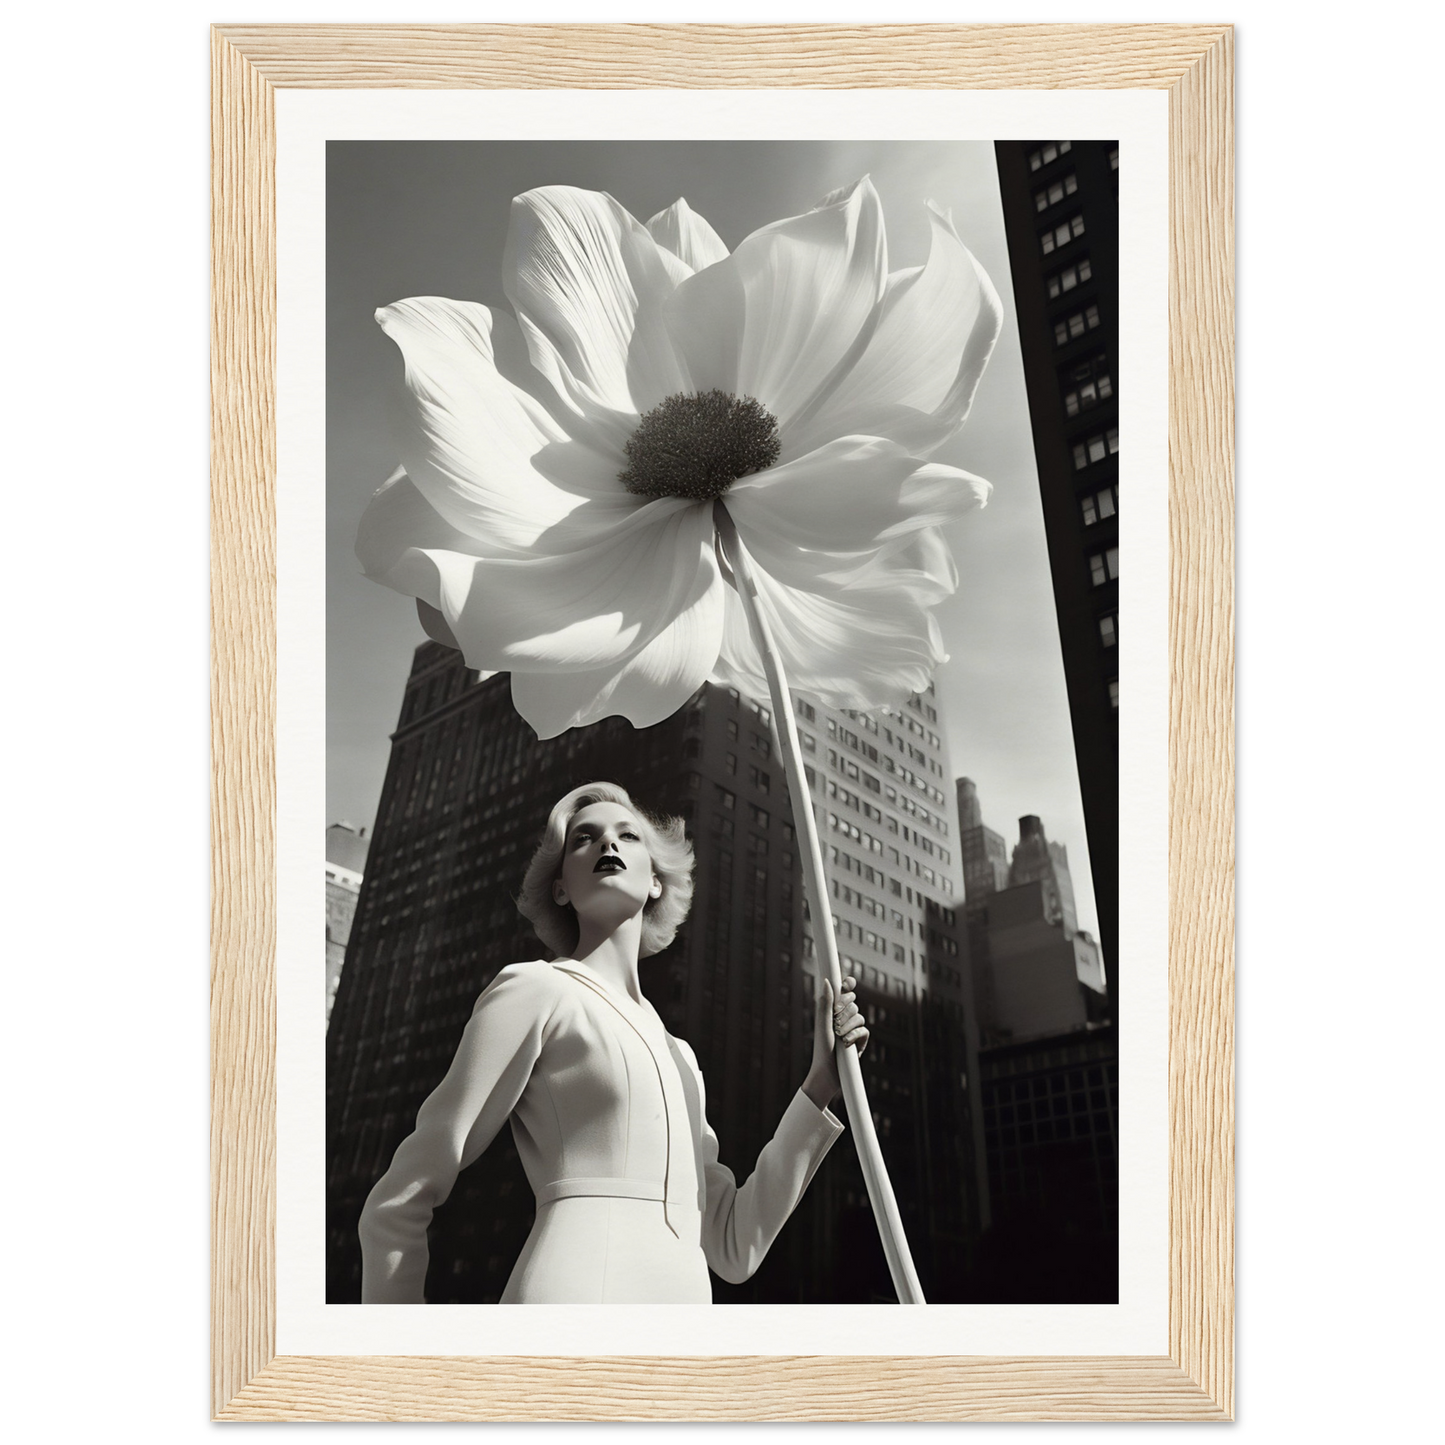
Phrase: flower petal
(687, 235)
(399, 520)
(850, 647)
(915, 379)
(630, 622)
(776, 318)
(922, 563)
(851, 495)
(588, 282)
(484, 451)
(648, 688)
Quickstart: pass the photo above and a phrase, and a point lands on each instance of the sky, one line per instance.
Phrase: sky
(430, 218)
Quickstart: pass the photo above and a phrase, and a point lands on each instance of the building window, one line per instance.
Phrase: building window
(1049, 152)
(1109, 630)
(733, 728)
(1113, 692)
(1095, 448)
(1069, 277)
(1070, 328)
(730, 762)
(1061, 234)
(1051, 195)
(725, 799)
(1091, 393)
(1104, 566)
(1100, 505)
(761, 781)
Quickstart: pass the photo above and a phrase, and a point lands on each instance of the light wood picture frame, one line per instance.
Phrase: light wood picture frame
(1195, 1379)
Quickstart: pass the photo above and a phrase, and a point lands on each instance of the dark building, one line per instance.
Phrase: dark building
(467, 790)
(1051, 1126)
(1061, 215)
(1049, 1078)
(346, 848)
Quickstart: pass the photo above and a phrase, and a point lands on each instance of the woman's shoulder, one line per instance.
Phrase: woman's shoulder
(531, 979)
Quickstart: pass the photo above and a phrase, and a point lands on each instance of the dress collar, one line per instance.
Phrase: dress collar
(619, 996)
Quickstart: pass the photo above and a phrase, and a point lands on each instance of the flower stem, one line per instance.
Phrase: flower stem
(870, 1156)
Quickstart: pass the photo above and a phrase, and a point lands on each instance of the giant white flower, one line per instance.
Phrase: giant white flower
(554, 512)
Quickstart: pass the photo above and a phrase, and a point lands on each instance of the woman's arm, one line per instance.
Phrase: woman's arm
(740, 1222)
(453, 1127)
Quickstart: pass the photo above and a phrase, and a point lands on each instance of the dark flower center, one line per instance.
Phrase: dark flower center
(698, 446)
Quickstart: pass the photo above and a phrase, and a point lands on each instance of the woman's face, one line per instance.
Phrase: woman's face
(606, 869)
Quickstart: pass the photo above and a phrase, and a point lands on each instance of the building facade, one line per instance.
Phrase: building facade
(1049, 1088)
(1051, 1127)
(884, 805)
(1037, 859)
(984, 853)
(467, 790)
(1061, 216)
(346, 848)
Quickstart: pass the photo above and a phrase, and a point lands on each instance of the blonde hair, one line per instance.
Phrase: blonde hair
(556, 924)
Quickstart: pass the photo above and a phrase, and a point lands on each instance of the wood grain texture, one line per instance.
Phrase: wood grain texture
(243, 721)
(1201, 725)
(697, 57)
(1195, 1382)
(766, 1387)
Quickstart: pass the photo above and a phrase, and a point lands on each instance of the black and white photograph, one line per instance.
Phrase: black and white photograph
(722, 701)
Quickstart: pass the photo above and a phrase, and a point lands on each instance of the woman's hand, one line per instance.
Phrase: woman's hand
(841, 1021)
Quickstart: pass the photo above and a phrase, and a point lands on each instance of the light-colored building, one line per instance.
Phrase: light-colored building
(1037, 967)
(884, 803)
(984, 853)
(890, 848)
(346, 848)
(1035, 971)
(1037, 860)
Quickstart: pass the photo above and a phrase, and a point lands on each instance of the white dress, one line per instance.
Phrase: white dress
(608, 1112)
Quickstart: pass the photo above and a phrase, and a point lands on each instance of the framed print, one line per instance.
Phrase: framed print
(582, 413)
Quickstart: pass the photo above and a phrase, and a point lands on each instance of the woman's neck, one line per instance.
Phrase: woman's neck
(613, 956)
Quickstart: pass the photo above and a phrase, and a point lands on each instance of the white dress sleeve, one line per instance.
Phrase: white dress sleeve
(740, 1222)
(460, 1117)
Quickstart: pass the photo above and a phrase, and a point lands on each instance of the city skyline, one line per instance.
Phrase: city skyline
(430, 218)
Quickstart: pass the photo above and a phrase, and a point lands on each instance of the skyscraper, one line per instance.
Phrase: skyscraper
(895, 873)
(1051, 1122)
(1034, 970)
(1038, 860)
(983, 852)
(467, 790)
(1048, 1078)
(346, 849)
(1061, 215)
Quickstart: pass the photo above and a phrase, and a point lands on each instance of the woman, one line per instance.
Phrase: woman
(607, 1108)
